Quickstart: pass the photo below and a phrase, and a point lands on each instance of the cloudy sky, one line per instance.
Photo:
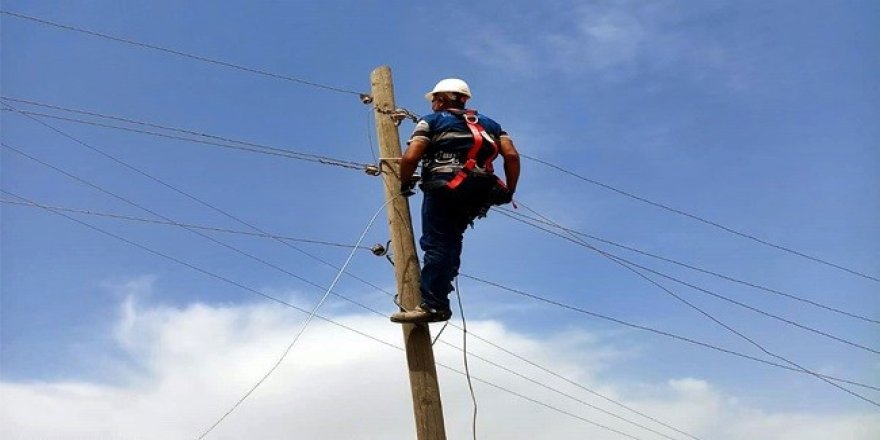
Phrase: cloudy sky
(737, 138)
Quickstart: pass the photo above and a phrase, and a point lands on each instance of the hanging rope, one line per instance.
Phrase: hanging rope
(305, 324)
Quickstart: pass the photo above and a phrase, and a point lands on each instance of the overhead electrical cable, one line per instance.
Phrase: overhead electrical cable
(191, 132)
(474, 278)
(44, 206)
(234, 249)
(216, 209)
(341, 270)
(463, 349)
(684, 339)
(209, 228)
(163, 222)
(633, 268)
(154, 179)
(571, 382)
(181, 53)
(219, 142)
(702, 220)
(704, 290)
(658, 332)
(520, 217)
(254, 291)
(179, 191)
(304, 325)
(172, 187)
(510, 212)
(187, 195)
(135, 204)
(324, 159)
(235, 145)
(312, 84)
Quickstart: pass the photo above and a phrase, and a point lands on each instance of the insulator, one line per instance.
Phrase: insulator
(378, 250)
(372, 170)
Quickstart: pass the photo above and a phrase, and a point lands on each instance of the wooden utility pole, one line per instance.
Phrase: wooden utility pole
(417, 337)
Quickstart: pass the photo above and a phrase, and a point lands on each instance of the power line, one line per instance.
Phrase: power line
(262, 235)
(522, 396)
(189, 196)
(250, 256)
(465, 353)
(569, 396)
(53, 208)
(38, 20)
(341, 270)
(511, 213)
(132, 203)
(130, 167)
(632, 267)
(380, 314)
(253, 257)
(195, 199)
(656, 331)
(168, 223)
(593, 392)
(171, 51)
(180, 53)
(304, 326)
(256, 292)
(44, 206)
(136, 219)
(701, 289)
(701, 219)
(266, 235)
(169, 186)
(178, 224)
(237, 144)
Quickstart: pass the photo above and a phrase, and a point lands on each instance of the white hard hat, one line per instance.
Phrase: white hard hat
(453, 85)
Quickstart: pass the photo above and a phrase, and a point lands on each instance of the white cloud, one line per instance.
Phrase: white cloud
(613, 41)
(195, 361)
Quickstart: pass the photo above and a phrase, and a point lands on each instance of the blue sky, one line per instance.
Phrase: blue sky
(761, 116)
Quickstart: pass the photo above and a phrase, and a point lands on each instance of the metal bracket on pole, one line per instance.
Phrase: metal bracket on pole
(378, 169)
(398, 115)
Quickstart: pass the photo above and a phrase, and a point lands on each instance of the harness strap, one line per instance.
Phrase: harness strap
(479, 134)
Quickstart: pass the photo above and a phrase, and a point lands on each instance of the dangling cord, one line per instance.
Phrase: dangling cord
(439, 333)
(464, 352)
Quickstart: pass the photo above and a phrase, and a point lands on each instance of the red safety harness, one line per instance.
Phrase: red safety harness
(479, 133)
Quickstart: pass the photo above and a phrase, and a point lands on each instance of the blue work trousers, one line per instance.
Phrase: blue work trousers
(444, 220)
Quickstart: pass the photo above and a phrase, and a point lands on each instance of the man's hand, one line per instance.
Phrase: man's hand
(408, 187)
(500, 195)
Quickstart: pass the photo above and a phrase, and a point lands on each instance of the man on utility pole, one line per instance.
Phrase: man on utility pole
(456, 147)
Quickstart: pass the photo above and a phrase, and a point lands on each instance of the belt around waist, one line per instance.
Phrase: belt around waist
(455, 169)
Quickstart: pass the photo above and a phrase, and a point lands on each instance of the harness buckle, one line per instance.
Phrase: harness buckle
(471, 118)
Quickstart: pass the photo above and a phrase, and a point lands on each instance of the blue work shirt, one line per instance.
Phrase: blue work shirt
(449, 140)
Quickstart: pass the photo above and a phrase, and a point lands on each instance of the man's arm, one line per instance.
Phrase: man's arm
(411, 157)
(511, 162)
